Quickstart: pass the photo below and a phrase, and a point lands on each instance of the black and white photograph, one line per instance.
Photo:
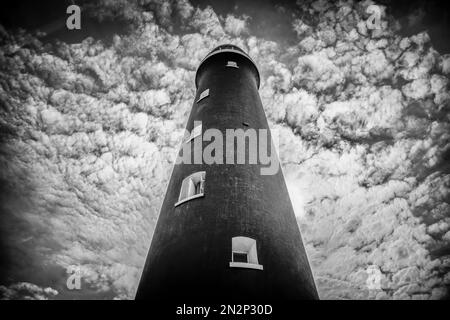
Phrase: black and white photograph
(209, 150)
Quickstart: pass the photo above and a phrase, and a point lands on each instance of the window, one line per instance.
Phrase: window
(232, 64)
(192, 187)
(240, 257)
(203, 95)
(244, 253)
(195, 132)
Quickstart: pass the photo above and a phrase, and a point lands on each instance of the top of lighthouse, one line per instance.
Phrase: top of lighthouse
(227, 49)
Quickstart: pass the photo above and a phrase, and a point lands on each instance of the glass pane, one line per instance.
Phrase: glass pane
(198, 188)
(240, 257)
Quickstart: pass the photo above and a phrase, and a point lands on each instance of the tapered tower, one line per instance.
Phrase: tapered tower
(227, 227)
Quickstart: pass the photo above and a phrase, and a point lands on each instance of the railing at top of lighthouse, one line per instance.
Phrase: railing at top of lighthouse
(228, 48)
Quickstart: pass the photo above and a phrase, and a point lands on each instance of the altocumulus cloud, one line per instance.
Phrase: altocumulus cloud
(89, 133)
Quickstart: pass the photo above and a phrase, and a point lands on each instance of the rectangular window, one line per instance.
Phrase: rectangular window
(192, 187)
(195, 132)
(203, 95)
(232, 64)
(244, 254)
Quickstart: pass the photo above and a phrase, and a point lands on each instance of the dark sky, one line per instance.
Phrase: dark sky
(269, 19)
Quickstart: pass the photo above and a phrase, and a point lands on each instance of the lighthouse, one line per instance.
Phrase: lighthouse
(226, 228)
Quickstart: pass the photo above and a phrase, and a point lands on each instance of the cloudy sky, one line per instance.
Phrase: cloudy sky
(91, 119)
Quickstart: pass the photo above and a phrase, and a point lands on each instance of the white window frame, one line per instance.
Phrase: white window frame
(232, 64)
(203, 95)
(245, 245)
(196, 131)
(187, 190)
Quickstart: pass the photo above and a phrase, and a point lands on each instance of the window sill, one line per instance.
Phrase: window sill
(246, 265)
(189, 198)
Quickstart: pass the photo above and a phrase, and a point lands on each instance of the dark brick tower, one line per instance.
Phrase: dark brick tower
(226, 230)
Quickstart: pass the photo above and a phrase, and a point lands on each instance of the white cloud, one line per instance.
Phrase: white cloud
(26, 291)
(236, 26)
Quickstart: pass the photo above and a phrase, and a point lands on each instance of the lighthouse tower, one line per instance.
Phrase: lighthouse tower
(226, 230)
